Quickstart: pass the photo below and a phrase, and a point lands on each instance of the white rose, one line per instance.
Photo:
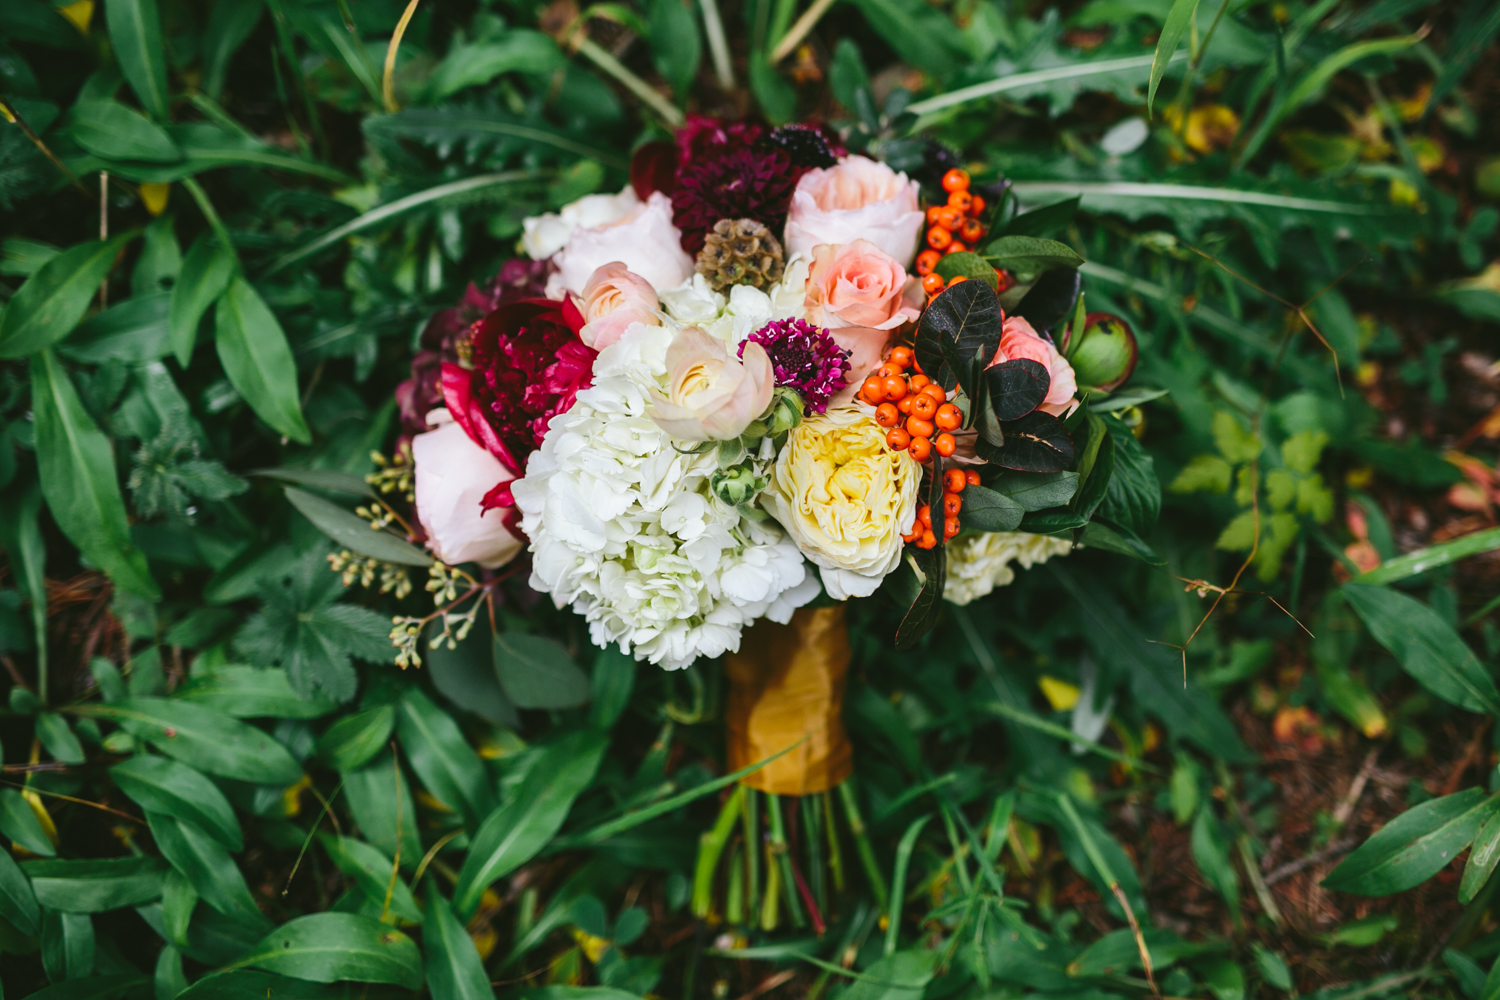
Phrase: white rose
(643, 239)
(453, 474)
(545, 235)
(858, 199)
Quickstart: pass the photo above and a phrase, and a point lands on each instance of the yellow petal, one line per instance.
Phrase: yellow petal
(80, 13)
(154, 196)
(1060, 694)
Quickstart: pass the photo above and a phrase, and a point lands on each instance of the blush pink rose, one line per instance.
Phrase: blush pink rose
(644, 238)
(1019, 340)
(858, 284)
(614, 298)
(856, 199)
(713, 395)
(453, 478)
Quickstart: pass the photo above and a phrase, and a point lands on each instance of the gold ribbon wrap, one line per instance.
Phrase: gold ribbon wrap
(787, 683)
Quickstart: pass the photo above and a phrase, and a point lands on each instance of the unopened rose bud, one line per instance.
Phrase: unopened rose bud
(785, 412)
(1104, 356)
(736, 485)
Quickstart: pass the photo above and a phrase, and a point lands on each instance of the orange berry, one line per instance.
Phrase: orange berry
(894, 387)
(972, 475)
(956, 246)
(887, 370)
(952, 504)
(945, 444)
(900, 355)
(897, 439)
(932, 214)
(873, 388)
(956, 279)
(924, 406)
(972, 231)
(939, 238)
(924, 516)
(960, 200)
(932, 283)
(927, 541)
(911, 537)
(948, 417)
(954, 481)
(935, 391)
(903, 405)
(926, 261)
(917, 427)
(977, 206)
(951, 527)
(956, 180)
(918, 382)
(886, 415)
(920, 449)
(916, 365)
(949, 217)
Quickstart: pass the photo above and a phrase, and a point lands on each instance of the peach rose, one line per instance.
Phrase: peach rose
(614, 298)
(1019, 340)
(856, 199)
(861, 295)
(713, 395)
(453, 475)
(644, 238)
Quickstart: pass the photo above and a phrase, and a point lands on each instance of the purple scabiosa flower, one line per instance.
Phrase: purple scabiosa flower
(804, 358)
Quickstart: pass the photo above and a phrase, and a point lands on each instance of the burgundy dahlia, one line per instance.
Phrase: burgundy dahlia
(806, 359)
(742, 184)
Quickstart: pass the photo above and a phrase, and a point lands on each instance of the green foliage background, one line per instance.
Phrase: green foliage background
(217, 784)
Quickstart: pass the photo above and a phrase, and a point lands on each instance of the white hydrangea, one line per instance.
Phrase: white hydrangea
(734, 317)
(980, 562)
(624, 527)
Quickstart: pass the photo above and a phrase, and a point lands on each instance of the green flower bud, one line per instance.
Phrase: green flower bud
(737, 485)
(1105, 355)
(785, 412)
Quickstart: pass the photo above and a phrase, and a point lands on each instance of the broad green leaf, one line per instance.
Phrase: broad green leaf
(206, 864)
(1468, 973)
(1272, 967)
(178, 900)
(970, 265)
(1432, 557)
(18, 822)
(1036, 490)
(1044, 221)
(466, 676)
(206, 272)
(111, 130)
(91, 988)
(79, 479)
(242, 984)
(67, 946)
(202, 738)
(560, 992)
(515, 832)
(52, 301)
(987, 510)
(1426, 646)
(902, 975)
(454, 968)
(95, 886)
(53, 732)
(918, 32)
(321, 479)
(329, 947)
(162, 785)
(136, 37)
(1223, 977)
(353, 532)
(1482, 859)
(252, 693)
(1179, 18)
(371, 871)
(258, 360)
(135, 332)
(380, 806)
(230, 23)
(442, 758)
(612, 682)
(354, 739)
(26, 552)
(17, 901)
(1029, 255)
(1117, 952)
(169, 979)
(1134, 494)
(1414, 846)
(676, 45)
(536, 672)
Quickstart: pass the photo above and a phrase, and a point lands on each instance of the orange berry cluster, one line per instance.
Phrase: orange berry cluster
(923, 533)
(951, 228)
(914, 408)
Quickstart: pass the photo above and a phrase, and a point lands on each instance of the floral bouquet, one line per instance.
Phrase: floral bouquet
(770, 375)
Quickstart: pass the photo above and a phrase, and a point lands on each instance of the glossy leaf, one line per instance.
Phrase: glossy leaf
(52, 301)
(962, 322)
(1426, 647)
(79, 478)
(987, 510)
(17, 901)
(371, 871)
(111, 130)
(19, 823)
(135, 331)
(206, 272)
(90, 988)
(1049, 302)
(514, 833)
(202, 738)
(1026, 255)
(241, 984)
(68, 946)
(162, 785)
(1044, 221)
(382, 808)
(353, 532)
(254, 352)
(136, 37)
(1036, 490)
(442, 757)
(1482, 859)
(1414, 846)
(95, 886)
(536, 672)
(354, 739)
(252, 693)
(329, 947)
(1038, 442)
(205, 863)
(969, 265)
(1016, 387)
(454, 968)
(58, 740)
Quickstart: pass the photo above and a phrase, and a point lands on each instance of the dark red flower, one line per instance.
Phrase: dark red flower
(742, 184)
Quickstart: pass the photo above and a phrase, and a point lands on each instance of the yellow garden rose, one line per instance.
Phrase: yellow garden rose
(845, 498)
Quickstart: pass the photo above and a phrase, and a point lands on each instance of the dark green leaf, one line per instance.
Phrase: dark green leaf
(777, 98)
(1050, 301)
(442, 758)
(95, 886)
(135, 34)
(371, 871)
(466, 675)
(676, 46)
(67, 945)
(169, 979)
(79, 479)
(52, 301)
(1472, 34)
(230, 23)
(1179, 17)
(322, 479)
(929, 569)
(536, 672)
(241, 984)
(1426, 646)
(329, 947)
(1414, 846)
(252, 693)
(1027, 255)
(919, 33)
(612, 683)
(1211, 855)
(17, 901)
(354, 739)
(256, 357)
(1038, 442)
(1096, 467)
(135, 331)
(161, 785)
(1482, 859)
(205, 274)
(90, 988)
(902, 975)
(205, 863)
(1100, 534)
(1016, 387)
(970, 265)
(202, 738)
(58, 740)
(1036, 490)
(472, 65)
(353, 532)
(962, 321)
(111, 130)
(1044, 221)
(379, 804)
(986, 510)
(454, 968)
(515, 832)
(1134, 497)
(19, 823)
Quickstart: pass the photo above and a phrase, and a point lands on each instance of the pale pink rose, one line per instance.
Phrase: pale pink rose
(858, 284)
(614, 298)
(644, 239)
(856, 199)
(713, 395)
(1019, 340)
(453, 475)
